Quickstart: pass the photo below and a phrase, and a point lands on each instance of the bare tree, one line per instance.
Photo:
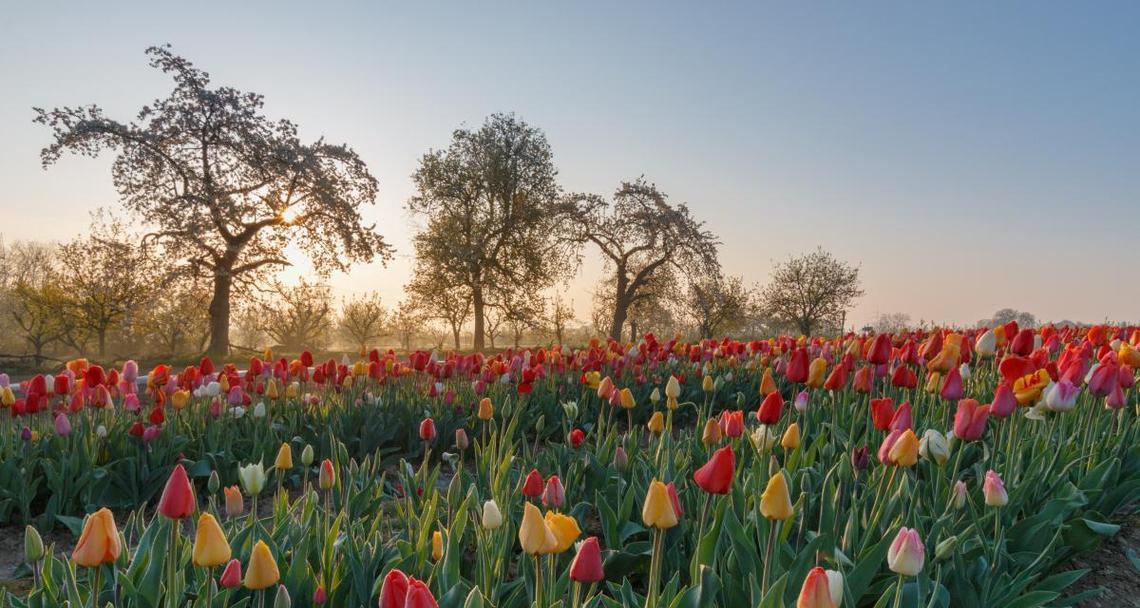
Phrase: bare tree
(717, 305)
(1005, 315)
(493, 213)
(558, 315)
(176, 319)
(407, 321)
(891, 322)
(811, 291)
(109, 278)
(363, 319)
(297, 317)
(640, 234)
(226, 188)
(437, 299)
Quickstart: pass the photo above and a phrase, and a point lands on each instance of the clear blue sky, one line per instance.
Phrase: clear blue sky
(969, 156)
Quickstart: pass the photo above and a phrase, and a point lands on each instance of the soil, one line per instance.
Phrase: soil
(1112, 569)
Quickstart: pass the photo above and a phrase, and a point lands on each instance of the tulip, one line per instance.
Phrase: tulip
(252, 477)
(587, 564)
(534, 536)
(906, 553)
(532, 486)
(436, 546)
(970, 420)
(767, 383)
(711, 434)
(673, 388)
(284, 460)
(326, 477)
(234, 503)
(99, 542)
(658, 510)
(262, 572)
(715, 477)
(801, 402)
(565, 530)
(904, 451)
(605, 389)
(394, 591)
(486, 409)
(461, 440)
(952, 385)
(901, 420)
(419, 596)
(732, 423)
(177, 499)
(231, 576)
(656, 423)
(775, 502)
(763, 438)
(307, 456)
(934, 446)
(492, 517)
(621, 460)
(882, 412)
(1061, 396)
(816, 372)
(33, 545)
(320, 596)
(1004, 402)
(210, 545)
(770, 409)
(994, 490)
(859, 458)
(427, 430)
(959, 499)
(554, 495)
(791, 438)
(986, 344)
(821, 589)
(282, 599)
(577, 436)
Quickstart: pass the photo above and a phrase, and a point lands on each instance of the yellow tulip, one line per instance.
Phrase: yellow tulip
(775, 503)
(658, 509)
(179, 399)
(436, 546)
(673, 387)
(210, 545)
(99, 543)
(262, 572)
(817, 370)
(626, 397)
(284, 460)
(904, 452)
(271, 391)
(564, 528)
(486, 409)
(532, 530)
(656, 423)
(293, 391)
(707, 384)
(791, 438)
(712, 433)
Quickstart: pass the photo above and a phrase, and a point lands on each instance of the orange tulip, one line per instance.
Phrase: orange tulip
(99, 543)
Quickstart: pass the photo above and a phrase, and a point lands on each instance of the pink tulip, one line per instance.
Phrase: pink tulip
(62, 425)
(907, 553)
(994, 490)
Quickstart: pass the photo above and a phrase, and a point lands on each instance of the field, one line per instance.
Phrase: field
(926, 468)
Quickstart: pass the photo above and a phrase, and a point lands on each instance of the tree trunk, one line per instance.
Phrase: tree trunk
(633, 330)
(220, 315)
(455, 334)
(102, 334)
(621, 304)
(477, 305)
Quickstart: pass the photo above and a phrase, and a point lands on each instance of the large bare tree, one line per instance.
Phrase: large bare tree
(811, 290)
(642, 235)
(492, 210)
(363, 319)
(224, 187)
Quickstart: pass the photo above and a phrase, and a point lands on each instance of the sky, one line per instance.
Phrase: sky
(967, 156)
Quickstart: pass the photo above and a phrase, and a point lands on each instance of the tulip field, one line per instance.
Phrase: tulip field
(928, 468)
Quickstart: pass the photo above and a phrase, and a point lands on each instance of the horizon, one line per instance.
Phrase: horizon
(1014, 129)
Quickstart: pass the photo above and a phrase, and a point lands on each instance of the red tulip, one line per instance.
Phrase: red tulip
(62, 384)
(231, 576)
(320, 596)
(587, 564)
(882, 411)
(715, 477)
(419, 596)
(970, 420)
(94, 376)
(904, 377)
(797, 370)
(577, 436)
(178, 496)
(1022, 343)
(532, 486)
(770, 408)
(880, 351)
(554, 496)
(864, 379)
(837, 379)
(1004, 402)
(427, 429)
(732, 423)
(901, 421)
(137, 429)
(952, 385)
(394, 592)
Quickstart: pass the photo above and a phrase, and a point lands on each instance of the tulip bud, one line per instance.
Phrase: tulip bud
(231, 576)
(711, 434)
(656, 423)
(101, 431)
(215, 483)
(570, 408)
(540, 424)
(492, 517)
(282, 600)
(554, 496)
(436, 546)
(326, 479)
(33, 545)
(673, 388)
(994, 490)
(461, 441)
(486, 409)
(959, 494)
(307, 455)
(707, 384)
(284, 460)
(320, 596)
(621, 459)
(945, 549)
(775, 502)
(791, 438)
(655, 396)
(934, 447)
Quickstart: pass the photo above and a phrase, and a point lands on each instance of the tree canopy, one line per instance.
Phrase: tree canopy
(224, 187)
(810, 290)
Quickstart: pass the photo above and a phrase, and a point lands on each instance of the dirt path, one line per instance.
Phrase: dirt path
(1111, 568)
